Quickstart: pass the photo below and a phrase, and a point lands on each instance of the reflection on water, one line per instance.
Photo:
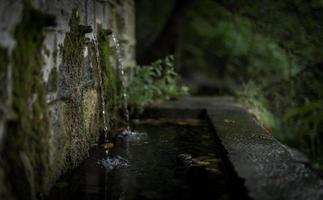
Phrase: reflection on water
(113, 163)
(164, 161)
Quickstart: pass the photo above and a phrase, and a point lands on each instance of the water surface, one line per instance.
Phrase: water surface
(163, 161)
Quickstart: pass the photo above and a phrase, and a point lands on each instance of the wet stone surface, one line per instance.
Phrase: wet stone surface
(269, 170)
(164, 161)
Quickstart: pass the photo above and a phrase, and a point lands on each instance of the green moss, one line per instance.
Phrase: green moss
(28, 132)
(74, 43)
(109, 79)
(73, 61)
(294, 25)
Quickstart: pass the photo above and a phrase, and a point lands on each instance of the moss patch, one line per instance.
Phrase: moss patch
(79, 72)
(109, 79)
(25, 148)
(73, 61)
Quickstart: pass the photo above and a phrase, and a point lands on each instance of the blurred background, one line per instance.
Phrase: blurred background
(267, 54)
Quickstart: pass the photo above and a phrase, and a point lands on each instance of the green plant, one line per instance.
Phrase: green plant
(25, 146)
(157, 81)
(292, 110)
(274, 65)
(306, 122)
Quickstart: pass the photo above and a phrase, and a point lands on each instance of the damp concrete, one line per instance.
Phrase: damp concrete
(267, 168)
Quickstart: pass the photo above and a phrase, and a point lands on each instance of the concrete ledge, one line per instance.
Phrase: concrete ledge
(267, 167)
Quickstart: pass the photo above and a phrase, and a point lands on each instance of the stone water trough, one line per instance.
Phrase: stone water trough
(193, 148)
(257, 166)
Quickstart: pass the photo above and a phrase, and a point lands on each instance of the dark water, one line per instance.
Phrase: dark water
(163, 161)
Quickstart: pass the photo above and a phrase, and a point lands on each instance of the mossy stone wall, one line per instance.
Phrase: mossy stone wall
(50, 104)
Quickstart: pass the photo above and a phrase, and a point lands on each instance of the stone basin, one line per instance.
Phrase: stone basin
(242, 161)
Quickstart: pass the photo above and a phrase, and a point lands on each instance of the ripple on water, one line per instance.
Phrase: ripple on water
(133, 136)
(117, 162)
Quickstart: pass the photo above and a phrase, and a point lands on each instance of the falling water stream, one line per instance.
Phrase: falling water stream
(123, 77)
(123, 91)
(112, 162)
(115, 162)
(100, 73)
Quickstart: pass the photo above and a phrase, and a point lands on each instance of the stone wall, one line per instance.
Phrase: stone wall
(50, 72)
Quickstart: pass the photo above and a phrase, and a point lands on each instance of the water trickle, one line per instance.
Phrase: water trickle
(100, 73)
(123, 77)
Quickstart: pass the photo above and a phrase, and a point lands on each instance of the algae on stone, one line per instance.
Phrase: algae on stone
(109, 79)
(25, 146)
(72, 72)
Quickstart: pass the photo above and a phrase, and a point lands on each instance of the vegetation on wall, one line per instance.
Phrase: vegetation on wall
(78, 73)
(109, 79)
(25, 147)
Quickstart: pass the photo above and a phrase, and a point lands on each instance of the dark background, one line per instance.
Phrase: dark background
(267, 54)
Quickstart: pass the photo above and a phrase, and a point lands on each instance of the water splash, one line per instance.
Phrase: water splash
(104, 113)
(117, 162)
(133, 137)
(121, 69)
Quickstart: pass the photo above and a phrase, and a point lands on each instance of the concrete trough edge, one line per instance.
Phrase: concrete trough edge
(262, 164)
